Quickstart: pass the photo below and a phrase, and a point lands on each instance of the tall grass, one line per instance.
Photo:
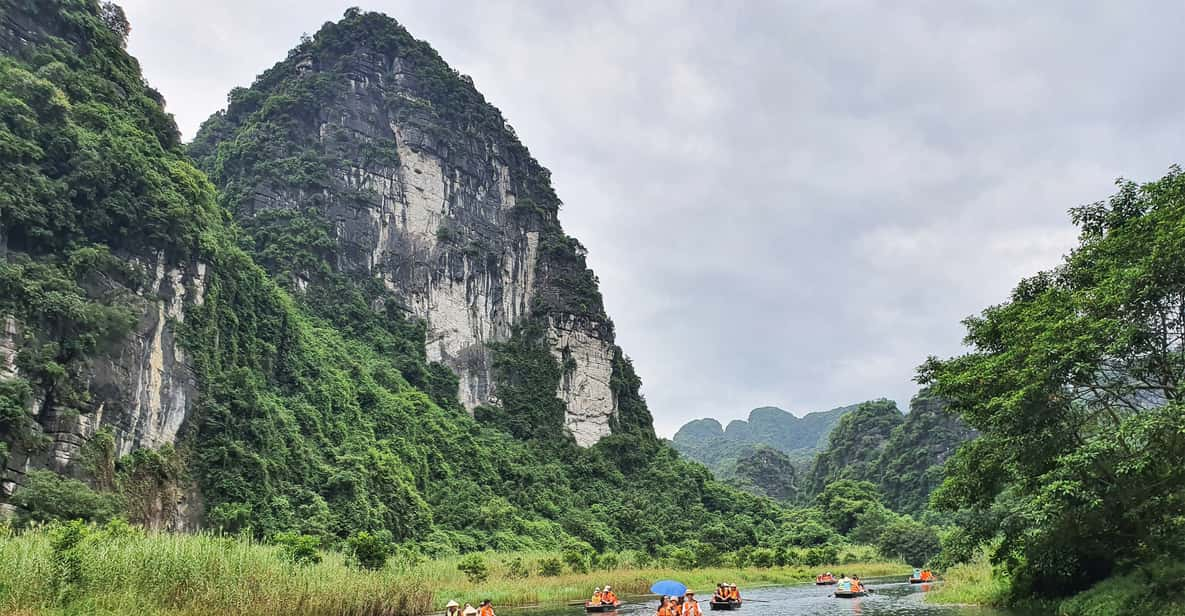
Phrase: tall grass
(973, 583)
(195, 574)
(183, 575)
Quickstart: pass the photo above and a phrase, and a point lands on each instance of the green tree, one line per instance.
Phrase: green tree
(517, 569)
(1076, 387)
(551, 567)
(300, 549)
(474, 567)
(842, 502)
(370, 551)
(46, 496)
(911, 541)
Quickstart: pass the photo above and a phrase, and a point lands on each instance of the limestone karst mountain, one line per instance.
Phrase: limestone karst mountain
(370, 320)
(411, 180)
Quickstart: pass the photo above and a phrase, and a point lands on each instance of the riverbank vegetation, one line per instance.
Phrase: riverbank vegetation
(1150, 589)
(119, 569)
(1076, 385)
(971, 583)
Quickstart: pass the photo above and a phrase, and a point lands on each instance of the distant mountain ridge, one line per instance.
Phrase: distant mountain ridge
(789, 458)
(719, 447)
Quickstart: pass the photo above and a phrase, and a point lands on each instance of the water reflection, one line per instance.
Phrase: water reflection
(890, 597)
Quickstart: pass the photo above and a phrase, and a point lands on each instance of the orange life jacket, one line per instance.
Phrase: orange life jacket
(665, 609)
(691, 608)
(734, 594)
(608, 597)
(486, 610)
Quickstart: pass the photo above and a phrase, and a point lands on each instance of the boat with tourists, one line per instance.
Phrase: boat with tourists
(727, 597)
(921, 576)
(849, 588)
(825, 579)
(603, 600)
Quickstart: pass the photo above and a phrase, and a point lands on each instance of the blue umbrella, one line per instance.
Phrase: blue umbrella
(668, 587)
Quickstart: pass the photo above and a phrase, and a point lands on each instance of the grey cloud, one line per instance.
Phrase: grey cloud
(786, 203)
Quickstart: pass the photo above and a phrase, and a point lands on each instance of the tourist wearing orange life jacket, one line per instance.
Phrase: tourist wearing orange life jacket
(486, 609)
(733, 593)
(664, 607)
(607, 595)
(690, 605)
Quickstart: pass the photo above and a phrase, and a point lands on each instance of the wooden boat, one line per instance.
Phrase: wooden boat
(849, 594)
(724, 605)
(914, 580)
(600, 607)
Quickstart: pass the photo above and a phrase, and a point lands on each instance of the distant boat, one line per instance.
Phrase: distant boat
(724, 605)
(849, 594)
(600, 607)
(825, 580)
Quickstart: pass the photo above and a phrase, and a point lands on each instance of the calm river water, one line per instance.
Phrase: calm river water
(892, 597)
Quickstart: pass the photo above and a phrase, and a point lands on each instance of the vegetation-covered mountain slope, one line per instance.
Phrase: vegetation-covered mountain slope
(317, 412)
(902, 455)
(854, 447)
(768, 472)
(720, 448)
(912, 463)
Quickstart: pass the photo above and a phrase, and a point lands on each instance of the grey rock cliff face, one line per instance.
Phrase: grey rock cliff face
(440, 211)
(143, 388)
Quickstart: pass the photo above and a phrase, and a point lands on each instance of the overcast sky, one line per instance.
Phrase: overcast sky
(787, 203)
